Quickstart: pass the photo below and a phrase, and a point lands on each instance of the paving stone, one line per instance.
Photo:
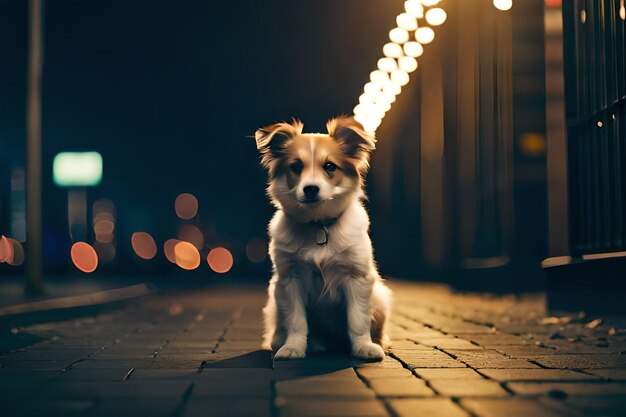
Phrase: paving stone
(407, 345)
(571, 389)
(240, 379)
(35, 365)
(503, 364)
(300, 407)
(450, 343)
(433, 374)
(497, 339)
(374, 373)
(388, 362)
(58, 407)
(59, 354)
(535, 375)
(602, 406)
(226, 407)
(438, 360)
(463, 328)
(427, 407)
(514, 407)
(9, 375)
(582, 361)
(468, 388)
(525, 351)
(312, 387)
(153, 407)
(400, 387)
(76, 374)
(612, 374)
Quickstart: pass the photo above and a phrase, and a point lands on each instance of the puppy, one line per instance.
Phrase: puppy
(325, 292)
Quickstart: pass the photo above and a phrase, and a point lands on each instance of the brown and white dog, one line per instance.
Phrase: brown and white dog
(325, 292)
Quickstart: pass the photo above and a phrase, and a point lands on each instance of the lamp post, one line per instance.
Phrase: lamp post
(34, 269)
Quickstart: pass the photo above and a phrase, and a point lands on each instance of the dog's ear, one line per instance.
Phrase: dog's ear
(352, 137)
(271, 141)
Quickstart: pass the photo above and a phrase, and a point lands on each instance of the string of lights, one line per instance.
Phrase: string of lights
(406, 44)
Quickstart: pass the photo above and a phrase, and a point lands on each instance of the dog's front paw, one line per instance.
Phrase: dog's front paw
(290, 352)
(369, 351)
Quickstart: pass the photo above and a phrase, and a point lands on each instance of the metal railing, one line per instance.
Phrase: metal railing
(595, 93)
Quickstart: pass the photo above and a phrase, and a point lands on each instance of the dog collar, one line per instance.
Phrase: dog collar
(321, 235)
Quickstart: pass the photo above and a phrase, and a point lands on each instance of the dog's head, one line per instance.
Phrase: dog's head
(315, 176)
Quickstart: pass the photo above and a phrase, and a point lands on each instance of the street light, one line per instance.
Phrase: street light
(76, 171)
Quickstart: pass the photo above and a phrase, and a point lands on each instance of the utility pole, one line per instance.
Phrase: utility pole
(34, 261)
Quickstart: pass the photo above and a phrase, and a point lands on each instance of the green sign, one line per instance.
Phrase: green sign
(77, 169)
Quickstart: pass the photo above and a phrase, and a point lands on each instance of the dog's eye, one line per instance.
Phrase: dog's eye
(330, 167)
(296, 167)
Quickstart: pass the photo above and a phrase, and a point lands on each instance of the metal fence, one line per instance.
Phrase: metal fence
(595, 92)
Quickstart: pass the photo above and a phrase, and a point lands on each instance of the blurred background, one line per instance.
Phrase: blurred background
(468, 184)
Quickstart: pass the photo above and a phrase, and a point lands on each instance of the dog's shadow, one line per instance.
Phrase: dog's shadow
(260, 362)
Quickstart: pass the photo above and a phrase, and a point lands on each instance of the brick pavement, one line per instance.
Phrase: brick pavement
(196, 354)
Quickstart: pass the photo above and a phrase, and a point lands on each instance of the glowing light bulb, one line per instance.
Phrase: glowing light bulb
(400, 77)
(406, 21)
(365, 98)
(387, 64)
(369, 124)
(384, 105)
(371, 88)
(392, 89)
(413, 49)
(414, 8)
(424, 35)
(407, 64)
(503, 4)
(436, 16)
(398, 35)
(379, 77)
(429, 3)
(392, 50)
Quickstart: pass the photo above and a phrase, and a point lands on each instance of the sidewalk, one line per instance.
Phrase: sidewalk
(196, 353)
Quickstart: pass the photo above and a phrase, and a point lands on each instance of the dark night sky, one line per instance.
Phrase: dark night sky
(168, 91)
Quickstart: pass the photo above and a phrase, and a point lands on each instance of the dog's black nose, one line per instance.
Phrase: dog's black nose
(311, 191)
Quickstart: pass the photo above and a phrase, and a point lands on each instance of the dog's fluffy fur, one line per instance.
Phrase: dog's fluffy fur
(322, 295)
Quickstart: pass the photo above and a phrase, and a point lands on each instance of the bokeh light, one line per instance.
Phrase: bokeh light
(436, 16)
(168, 249)
(84, 257)
(392, 50)
(6, 250)
(414, 8)
(256, 250)
(175, 309)
(220, 260)
(387, 64)
(186, 206)
(379, 77)
(406, 21)
(424, 35)
(400, 77)
(503, 4)
(186, 255)
(407, 64)
(398, 35)
(104, 220)
(17, 258)
(413, 49)
(144, 245)
(103, 229)
(106, 252)
(192, 234)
